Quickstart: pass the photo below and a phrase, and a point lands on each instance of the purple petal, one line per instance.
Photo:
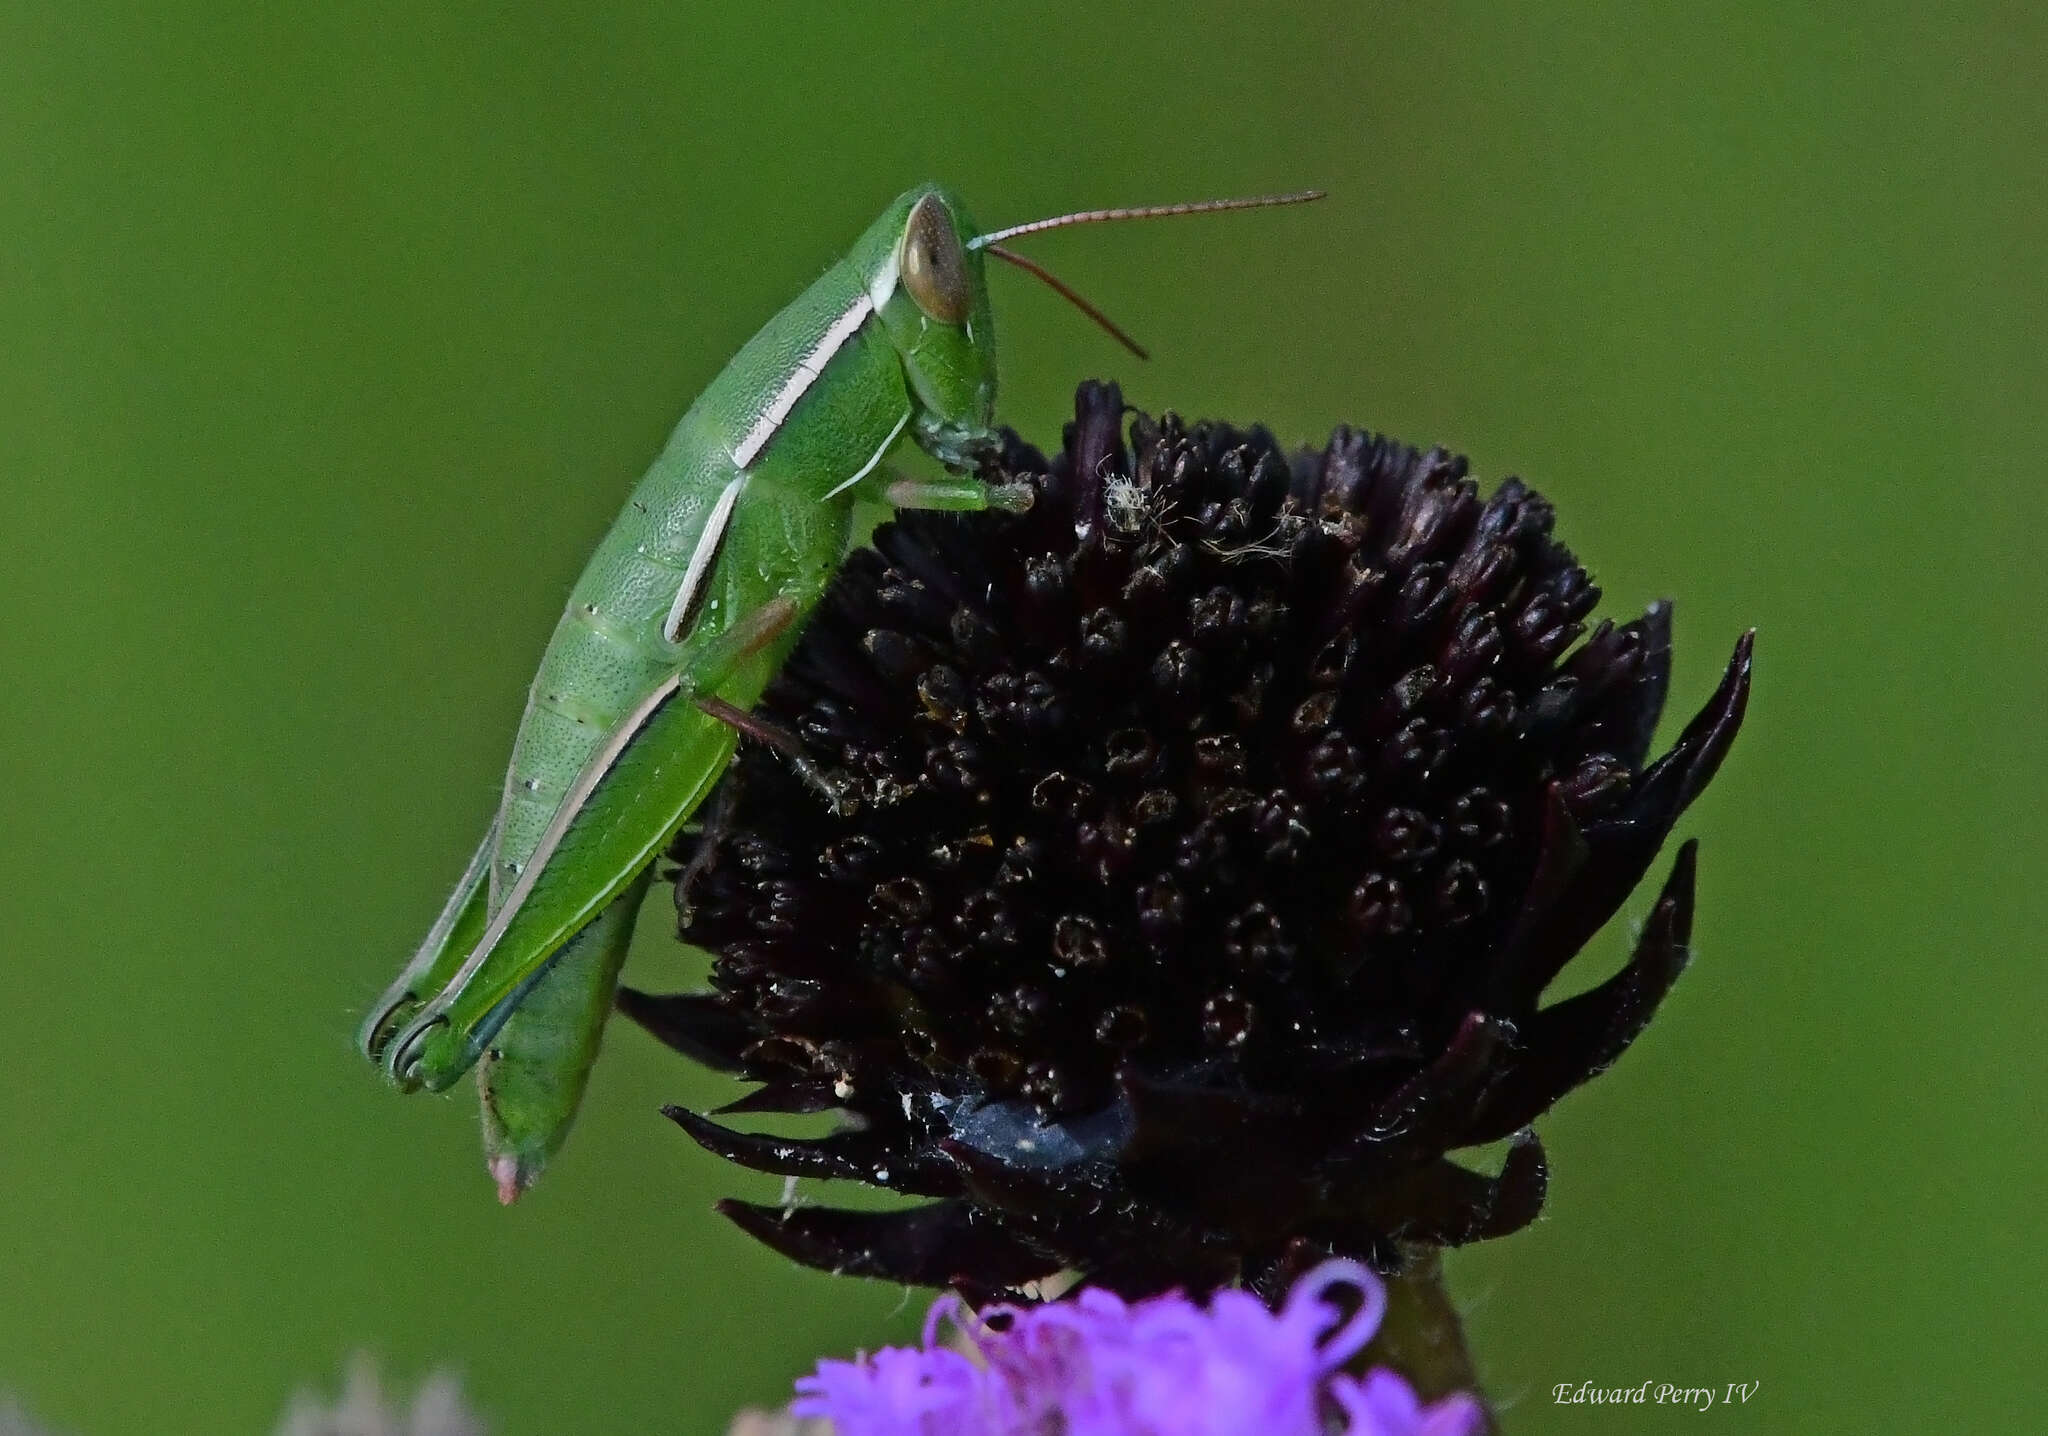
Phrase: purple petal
(1096, 1365)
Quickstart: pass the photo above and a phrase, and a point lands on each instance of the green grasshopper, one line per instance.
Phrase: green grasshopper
(677, 625)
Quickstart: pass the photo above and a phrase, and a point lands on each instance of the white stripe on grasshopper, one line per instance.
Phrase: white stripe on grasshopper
(800, 379)
(873, 459)
(883, 285)
(699, 571)
(572, 804)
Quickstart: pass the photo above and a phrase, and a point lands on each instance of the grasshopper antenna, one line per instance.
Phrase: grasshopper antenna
(1147, 211)
(993, 243)
(1072, 296)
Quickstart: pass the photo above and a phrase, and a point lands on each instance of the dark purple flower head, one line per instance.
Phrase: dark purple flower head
(1098, 1366)
(1217, 828)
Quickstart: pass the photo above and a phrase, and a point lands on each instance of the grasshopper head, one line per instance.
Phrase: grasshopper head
(931, 292)
(924, 265)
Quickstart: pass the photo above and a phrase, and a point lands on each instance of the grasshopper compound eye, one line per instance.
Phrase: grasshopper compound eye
(934, 264)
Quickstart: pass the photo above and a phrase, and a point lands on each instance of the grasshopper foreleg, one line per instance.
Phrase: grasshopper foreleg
(899, 491)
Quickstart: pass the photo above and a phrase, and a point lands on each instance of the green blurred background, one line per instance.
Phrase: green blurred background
(329, 342)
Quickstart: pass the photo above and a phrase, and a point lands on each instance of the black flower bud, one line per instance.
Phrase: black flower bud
(1219, 824)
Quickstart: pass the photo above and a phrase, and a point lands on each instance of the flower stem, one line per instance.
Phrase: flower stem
(1421, 1336)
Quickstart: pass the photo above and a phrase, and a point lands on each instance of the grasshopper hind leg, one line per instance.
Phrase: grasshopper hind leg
(443, 948)
(625, 804)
